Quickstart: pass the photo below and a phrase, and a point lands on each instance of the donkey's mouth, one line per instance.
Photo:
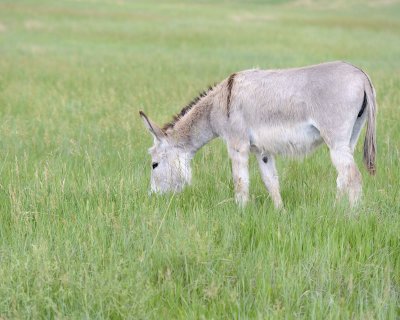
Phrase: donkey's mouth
(166, 189)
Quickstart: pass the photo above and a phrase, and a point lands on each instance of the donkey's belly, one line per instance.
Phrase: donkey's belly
(294, 140)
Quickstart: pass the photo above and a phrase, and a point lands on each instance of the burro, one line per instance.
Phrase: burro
(286, 112)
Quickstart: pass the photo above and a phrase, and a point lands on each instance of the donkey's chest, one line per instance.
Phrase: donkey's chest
(293, 140)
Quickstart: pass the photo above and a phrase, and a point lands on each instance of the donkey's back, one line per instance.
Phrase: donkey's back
(320, 94)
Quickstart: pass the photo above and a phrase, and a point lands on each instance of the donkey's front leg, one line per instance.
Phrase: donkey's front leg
(240, 157)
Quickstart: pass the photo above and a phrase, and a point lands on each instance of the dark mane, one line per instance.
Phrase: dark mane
(186, 109)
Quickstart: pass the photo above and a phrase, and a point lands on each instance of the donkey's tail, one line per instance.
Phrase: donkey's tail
(370, 136)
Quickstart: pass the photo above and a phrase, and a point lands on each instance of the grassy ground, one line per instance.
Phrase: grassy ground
(79, 235)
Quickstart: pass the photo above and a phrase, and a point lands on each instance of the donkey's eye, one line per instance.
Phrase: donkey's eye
(154, 165)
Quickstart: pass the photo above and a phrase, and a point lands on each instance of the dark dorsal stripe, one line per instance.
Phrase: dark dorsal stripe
(186, 109)
(229, 88)
(363, 105)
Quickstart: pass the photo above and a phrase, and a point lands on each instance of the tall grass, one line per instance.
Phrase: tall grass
(79, 235)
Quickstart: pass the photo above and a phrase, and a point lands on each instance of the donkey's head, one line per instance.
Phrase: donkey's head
(170, 163)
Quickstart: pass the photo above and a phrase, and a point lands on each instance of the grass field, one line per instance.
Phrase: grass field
(79, 235)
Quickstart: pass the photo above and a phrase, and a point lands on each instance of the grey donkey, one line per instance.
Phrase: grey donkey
(286, 112)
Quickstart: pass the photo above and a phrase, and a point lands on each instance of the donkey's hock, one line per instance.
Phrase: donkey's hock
(285, 112)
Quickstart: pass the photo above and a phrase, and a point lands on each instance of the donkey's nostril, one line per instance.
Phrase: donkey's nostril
(154, 165)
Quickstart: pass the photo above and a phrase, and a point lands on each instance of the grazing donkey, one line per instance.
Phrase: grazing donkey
(285, 112)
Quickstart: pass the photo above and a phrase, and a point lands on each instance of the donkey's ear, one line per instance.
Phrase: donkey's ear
(154, 129)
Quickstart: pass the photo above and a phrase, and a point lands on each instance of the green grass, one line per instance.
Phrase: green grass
(79, 235)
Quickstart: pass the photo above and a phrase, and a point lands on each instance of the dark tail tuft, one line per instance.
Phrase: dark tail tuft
(370, 136)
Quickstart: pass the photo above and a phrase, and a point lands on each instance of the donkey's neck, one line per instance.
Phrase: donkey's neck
(194, 129)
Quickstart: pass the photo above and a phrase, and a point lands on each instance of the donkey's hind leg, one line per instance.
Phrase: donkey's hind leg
(349, 177)
(270, 177)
